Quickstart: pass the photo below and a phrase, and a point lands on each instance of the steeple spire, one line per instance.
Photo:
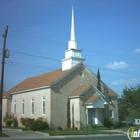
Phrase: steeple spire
(72, 26)
(72, 55)
(72, 44)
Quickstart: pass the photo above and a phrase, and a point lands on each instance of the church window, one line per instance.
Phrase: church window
(111, 113)
(81, 74)
(14, 107)
(22, 107)
(43, 105)
(32, 107)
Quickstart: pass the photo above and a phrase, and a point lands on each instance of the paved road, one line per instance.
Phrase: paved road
(94, 138)
(26, 135)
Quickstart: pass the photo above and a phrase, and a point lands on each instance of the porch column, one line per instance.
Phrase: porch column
(96, 116)
(87, 115)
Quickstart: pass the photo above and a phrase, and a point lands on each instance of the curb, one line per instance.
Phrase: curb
(46, 134)
(12, 129)
(98, 135)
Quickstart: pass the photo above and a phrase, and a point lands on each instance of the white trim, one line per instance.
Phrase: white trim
(43, 108)
(15, 107)
(23, 107)
(32, 107)
(80, 96)
(98, 91)
(74, 50)
(111, 113)
(87, 115)
(96, 116)
(18, 92)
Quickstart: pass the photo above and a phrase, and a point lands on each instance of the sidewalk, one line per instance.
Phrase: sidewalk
(15, 134)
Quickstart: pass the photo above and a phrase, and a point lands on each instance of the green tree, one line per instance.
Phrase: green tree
(98, 80)
(129, 103)
(68, 113)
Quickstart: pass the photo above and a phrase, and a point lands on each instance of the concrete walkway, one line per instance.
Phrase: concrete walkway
(15, 134)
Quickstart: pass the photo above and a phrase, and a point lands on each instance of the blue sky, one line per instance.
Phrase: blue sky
(107, 31)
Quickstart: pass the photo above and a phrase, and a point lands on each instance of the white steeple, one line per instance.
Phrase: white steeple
(72, 44)
(72, 55)
(72, 26)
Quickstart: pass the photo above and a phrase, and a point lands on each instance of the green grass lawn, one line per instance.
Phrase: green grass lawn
(85, 131)
(4, 135)
(78, 132)
(125, 128)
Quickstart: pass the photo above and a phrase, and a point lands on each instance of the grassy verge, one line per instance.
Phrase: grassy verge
(12, 127)
(125, 128)
(4, 135)
(77, 132)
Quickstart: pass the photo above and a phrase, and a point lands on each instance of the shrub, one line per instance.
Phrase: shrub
(25, 121)
(67, 128)
(34, 125)
(40, 118)
(37, 125)
(59, 128)
(9, 119)
(107, 123)
(112, 127)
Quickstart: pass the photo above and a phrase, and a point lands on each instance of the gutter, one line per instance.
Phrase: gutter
(18, 92)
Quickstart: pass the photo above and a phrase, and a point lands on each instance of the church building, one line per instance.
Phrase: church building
(47, 95)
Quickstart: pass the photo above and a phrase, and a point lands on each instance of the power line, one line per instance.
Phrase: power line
(35, 67)
(86, 64)
(35, 55)
(91, 51)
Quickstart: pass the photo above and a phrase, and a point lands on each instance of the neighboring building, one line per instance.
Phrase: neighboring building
(47, 95)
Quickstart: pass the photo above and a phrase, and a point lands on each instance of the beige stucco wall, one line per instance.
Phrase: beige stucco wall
(63, 89)
(75, 113)
(56, 99)
(4, 109)
(61, 92)
(27, 96)
(114, 106)
(83, 114)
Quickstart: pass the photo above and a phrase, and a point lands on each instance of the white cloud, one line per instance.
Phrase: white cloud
(126, 82)
(137, 50)
(117, 65)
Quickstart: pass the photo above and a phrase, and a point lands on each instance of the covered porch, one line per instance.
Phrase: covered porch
(95, 110)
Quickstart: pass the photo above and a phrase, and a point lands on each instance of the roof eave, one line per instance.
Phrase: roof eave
(18, 92)
(66, 74)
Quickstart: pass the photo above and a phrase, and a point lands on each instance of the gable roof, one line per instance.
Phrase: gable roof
(92, 98)
(112, 93)
(46, 79)
(80, 90)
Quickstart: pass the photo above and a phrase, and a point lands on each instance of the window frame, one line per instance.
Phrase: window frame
(32, 107)
(111, 113)
(23, 107)
(15, 104)
(43, 106)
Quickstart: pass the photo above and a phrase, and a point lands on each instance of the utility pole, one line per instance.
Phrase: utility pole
(4, 51)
